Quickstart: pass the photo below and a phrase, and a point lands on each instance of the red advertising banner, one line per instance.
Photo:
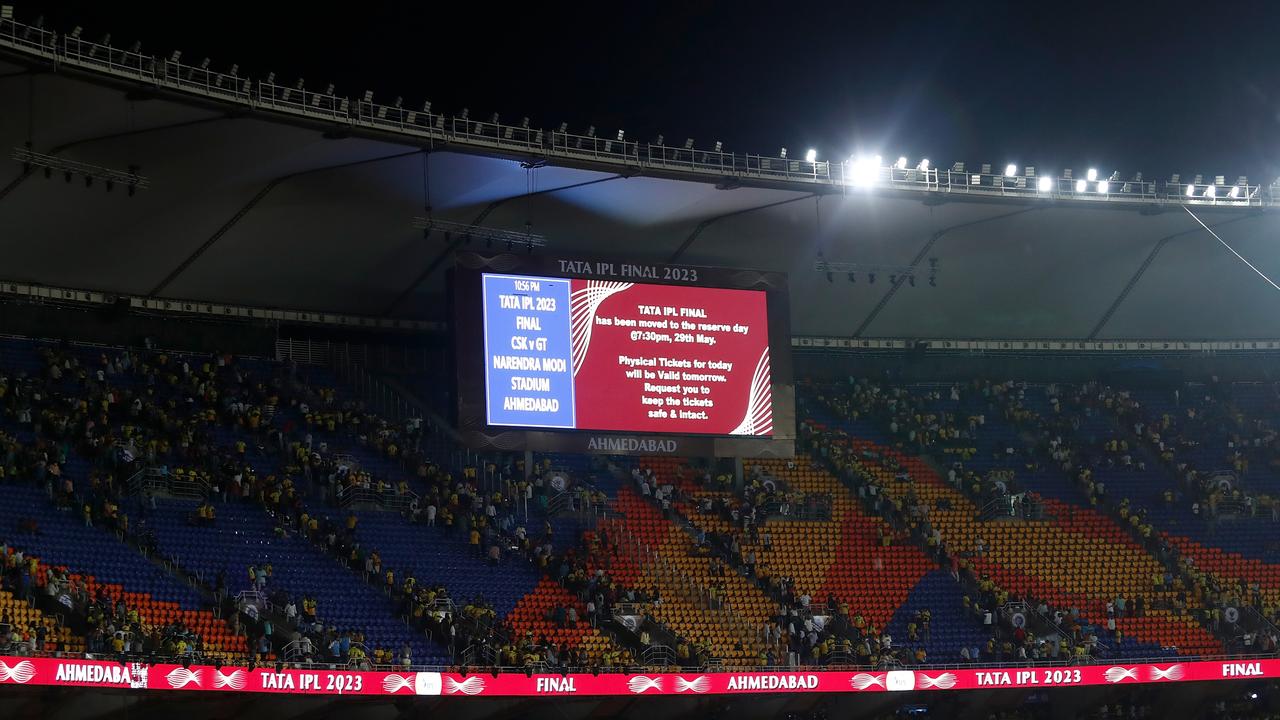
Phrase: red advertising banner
(62, 672)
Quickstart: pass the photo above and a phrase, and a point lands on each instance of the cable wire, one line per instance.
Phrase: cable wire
(1228, 247)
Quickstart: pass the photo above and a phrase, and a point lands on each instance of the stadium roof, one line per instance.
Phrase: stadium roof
(304, 202)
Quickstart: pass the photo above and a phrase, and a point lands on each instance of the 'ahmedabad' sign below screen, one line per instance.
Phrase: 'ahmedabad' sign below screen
(576, 354)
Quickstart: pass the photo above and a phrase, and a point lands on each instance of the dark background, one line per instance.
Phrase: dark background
(1128, 86)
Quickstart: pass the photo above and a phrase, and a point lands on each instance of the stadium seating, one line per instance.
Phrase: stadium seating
(1078, 559)
(847, 550)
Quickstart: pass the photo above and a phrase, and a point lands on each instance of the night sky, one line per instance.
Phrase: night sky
(1157, 87)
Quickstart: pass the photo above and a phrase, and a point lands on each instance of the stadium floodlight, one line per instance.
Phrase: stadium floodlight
(863, 170)
(71, 169)
(719, 146)
(1010, 170)
(811, 155)
(1081, 186)
(924, 164)
(688, 143)
(512, 238)
(1235, 192)
(902, 163)
(783, 153)
(1104, 186)
(1191, 190)
(1210, 191)
(1092, 174)
(1045, 183)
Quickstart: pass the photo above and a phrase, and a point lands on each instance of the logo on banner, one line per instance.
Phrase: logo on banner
(1175, 672)
(473, 685)
(21, 673)
(697, 685)
(862, 681)
(235, 680)
(181, 677)
(642, 683)
(945, 681)
(392, 684)
(427, 683)
(899, 680)
(1120, 674)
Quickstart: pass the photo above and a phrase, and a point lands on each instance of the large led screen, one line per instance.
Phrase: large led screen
(580, 354)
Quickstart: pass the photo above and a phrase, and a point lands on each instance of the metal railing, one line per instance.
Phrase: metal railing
(492, 137)
(156, 479)
(713, 664)
(388, 500)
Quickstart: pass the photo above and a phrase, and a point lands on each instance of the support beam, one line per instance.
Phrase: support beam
(452, 245)
(1142, 269)
(920, 256)
(693, 236)
(249, 206)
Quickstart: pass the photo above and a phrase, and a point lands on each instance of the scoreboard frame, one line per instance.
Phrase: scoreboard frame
(469, 356)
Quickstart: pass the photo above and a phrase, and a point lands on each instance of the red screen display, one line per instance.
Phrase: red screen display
(670, 359)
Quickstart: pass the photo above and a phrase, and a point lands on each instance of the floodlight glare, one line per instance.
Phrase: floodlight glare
(1081, 186)
(811, 155)
(924, 164)
(1045, 183)
(1210, 191)
(1103, 187)
(1010, 170)
(1191, 190)
(902, 163)
(1092, 175)
(864, 170)
(1235, 191)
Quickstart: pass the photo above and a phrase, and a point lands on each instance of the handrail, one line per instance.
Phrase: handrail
(493, 137)
(631, 669)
